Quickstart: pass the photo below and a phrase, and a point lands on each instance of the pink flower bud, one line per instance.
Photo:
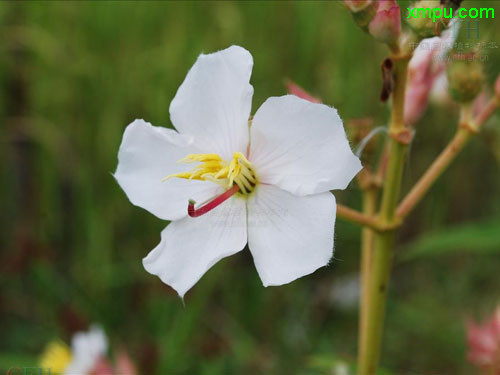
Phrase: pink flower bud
(484, 344)
(420, 79)
(386, 25)
(296, 90)
(423, 71)
(426, 69)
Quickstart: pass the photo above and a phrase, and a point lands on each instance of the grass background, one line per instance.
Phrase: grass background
(74, 74)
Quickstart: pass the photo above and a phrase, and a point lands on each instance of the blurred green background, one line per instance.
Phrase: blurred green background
(74, 74)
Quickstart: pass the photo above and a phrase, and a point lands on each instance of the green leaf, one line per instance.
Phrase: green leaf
(481, 237)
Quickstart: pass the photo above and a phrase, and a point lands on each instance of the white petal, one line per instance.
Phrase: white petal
(149, 153)
(301, 147)
(86, 349)
(189, 247)
(214, 101)
(289, 236)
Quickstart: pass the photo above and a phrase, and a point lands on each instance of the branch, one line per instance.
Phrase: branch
(357, 217)
(488, 111)
(462, 136)
(431, 175)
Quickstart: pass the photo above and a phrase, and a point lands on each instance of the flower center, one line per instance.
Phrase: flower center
(212, 167)
(236, 176)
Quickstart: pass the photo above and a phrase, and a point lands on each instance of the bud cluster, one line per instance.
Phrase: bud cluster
(362, 11)
(465, 78)
(424, 25)
(382, 19)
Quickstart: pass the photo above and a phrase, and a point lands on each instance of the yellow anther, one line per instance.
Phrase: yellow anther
(213, 168)
(191, 158)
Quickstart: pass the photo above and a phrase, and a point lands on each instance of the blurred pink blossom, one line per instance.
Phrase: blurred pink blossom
(124, 365)
(426, 72)
(386, 25)
(484, 344)
(102, 367)
(296, 90)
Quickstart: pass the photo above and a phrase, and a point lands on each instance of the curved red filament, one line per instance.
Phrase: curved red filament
(212, 203)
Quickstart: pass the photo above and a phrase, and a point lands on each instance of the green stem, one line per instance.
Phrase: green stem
(367, 242)
(379, 279)
(383, 252)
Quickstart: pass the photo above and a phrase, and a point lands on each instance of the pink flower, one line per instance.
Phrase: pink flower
(386, 25)
(422, 73)
(484, 344)
(296, 90)
(427, 67)
(124, 364)
(102, 367)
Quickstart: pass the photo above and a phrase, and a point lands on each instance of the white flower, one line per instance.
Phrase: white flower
(86, 349)
(275, 171)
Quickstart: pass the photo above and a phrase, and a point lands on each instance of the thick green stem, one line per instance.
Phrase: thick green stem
(379, 279)
(383, 252)
(367, 242)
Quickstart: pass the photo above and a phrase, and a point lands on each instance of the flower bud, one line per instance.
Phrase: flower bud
(362, 11)
(386, 25)
(465, 78)
(357, 5)
(428, 20)
(453, 4)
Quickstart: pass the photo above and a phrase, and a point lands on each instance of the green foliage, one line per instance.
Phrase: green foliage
(482, 237)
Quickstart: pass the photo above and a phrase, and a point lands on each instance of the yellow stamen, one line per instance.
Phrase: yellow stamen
(212, 167)
(56, 356)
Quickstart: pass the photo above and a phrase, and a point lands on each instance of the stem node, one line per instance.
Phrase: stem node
(403, 136)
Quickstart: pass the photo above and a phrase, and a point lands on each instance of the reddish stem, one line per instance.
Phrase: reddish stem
(212, 204)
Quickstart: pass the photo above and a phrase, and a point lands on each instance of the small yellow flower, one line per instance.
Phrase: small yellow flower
(56, 357)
